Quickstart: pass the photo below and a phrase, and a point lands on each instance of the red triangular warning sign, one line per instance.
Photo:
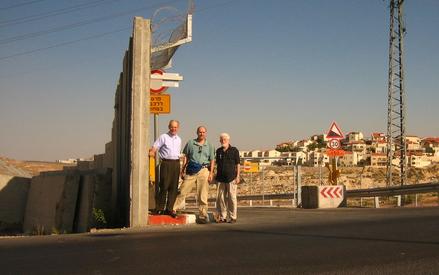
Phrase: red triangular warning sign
(334, 132)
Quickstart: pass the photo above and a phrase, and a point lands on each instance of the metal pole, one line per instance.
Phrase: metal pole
(299, 187)
(361, 187)
(320, 170)
(294, 187)
(157, 164)
(251, 183)
(156, 126)
(263, 191)
(396, 111)
(377, 202)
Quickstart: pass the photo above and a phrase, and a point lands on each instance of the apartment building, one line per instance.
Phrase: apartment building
(317, 158)
(419, 161)
(413, 143)
(349, 159)
(357, 146)
(431, 145)
(302, 145)
(378, 160)
(265, 157)
(378, 137)
(378, 147)
(294, 158)
(354, 136)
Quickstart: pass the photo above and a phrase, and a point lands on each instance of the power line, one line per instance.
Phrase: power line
(65, 43)
(36, 17)
(75, 25)
(95, 36)
(21, 4)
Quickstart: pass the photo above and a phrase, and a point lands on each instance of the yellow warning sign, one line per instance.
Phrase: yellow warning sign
(250, 167)
(160, 104)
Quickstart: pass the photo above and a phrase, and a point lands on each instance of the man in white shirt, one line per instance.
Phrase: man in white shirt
(169, 147)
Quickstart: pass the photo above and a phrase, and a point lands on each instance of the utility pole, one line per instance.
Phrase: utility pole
(396, 113)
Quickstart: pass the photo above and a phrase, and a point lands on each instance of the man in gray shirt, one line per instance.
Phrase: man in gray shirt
(199, 157)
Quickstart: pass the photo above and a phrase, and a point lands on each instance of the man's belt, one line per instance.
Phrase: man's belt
(170, 160)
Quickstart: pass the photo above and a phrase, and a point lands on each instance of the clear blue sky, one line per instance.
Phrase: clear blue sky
(263, 71)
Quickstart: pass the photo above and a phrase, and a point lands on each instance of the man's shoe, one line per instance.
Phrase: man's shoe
(232, 221)
(160, 212)
(202, 220)
(221, 221)
(173, 214)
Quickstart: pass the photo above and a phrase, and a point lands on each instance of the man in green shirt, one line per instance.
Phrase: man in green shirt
(198, 165)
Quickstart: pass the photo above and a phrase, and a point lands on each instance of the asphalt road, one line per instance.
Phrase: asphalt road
(264, 241)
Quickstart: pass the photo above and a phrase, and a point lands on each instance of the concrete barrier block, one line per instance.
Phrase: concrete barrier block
(108, 156)
(85, 203)
(51, 203)
(94, 204)
(13, 197)
(98, 161)
(310, 197)
(328, 196)
(84, 165)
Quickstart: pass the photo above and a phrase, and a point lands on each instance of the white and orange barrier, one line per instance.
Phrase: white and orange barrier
(327, 196)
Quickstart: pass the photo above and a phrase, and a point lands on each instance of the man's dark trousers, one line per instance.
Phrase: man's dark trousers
(168, 184)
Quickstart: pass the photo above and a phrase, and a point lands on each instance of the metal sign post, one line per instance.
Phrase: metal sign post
(299, 186)
(334, 135)
(157, 167)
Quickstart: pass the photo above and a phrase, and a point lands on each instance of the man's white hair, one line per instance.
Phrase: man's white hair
(225, 135)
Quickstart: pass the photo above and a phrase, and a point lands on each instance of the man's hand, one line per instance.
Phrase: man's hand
(237, 180)
(209, 179)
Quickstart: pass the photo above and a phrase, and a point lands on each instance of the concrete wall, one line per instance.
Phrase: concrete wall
(108, 156)
(64, 201)
(130, 131)
(69, 201)
(52, 202)
(13, 197)
(94, 201)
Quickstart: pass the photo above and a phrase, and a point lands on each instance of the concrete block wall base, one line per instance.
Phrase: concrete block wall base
(165, 219)
(51, 203)
(13, 199)
(329, 196)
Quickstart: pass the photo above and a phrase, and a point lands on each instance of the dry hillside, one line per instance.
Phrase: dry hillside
(27, 168)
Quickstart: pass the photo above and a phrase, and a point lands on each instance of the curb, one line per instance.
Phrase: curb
(165, 219)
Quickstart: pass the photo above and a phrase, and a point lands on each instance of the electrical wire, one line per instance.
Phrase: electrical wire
(75, 25)
(36, 17)
(21, 4)
(65, 43)
(97, 35)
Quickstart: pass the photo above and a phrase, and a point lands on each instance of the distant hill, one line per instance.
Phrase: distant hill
(27, 168)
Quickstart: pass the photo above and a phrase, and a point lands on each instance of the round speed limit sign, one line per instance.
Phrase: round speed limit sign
(334, 144)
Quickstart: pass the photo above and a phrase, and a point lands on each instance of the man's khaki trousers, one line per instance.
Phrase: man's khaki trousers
(201, 181)
(226, 202)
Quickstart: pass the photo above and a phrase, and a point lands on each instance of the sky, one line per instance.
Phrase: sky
(263, 71)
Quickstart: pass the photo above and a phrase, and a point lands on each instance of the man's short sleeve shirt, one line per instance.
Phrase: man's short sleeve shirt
(199, 153)
(227, 162)
(169, 146)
